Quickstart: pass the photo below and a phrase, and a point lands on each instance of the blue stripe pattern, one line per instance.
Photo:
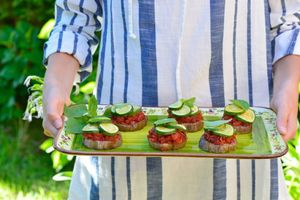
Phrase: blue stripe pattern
(94, 190)
(60, 37)
(73, 19)
(219, 179)
(291, 47)
(148, 52)
(234, 49)
(269, 47)
(216, 80)
(75, 44)
(102, 54)
(88, 59)
(283, 6)
(154, 178)
(274, 179)
(66, 5)
(113, 179)
(249, 40)
(238, 181)
(297, 15)
(99, 12)
(128, 177)
(253, 178)
(111, 100)
(59, 12)
(125, 53)
(81, 10)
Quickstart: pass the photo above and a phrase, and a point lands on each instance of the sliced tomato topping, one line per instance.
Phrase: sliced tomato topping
(130, 119)
(188, 119)
(219, 140)
(101, 137)
(175, 138)
(234, 121)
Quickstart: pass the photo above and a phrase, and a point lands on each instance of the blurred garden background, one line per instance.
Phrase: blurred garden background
(29, 167)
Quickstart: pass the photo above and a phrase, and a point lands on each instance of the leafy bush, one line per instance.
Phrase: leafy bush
(291, 167)
(20, 51)
(35, 12)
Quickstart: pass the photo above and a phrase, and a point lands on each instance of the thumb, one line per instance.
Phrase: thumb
(55, 120)
(58, 123)
(282, 121)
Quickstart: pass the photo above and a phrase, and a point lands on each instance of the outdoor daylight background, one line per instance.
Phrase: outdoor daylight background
(29, 167)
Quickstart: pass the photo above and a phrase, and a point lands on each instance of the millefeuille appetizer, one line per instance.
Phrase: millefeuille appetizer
(241, 115)
(128, 117)
(167, 135)
(187, 114)
(101, 134)
(218, 137)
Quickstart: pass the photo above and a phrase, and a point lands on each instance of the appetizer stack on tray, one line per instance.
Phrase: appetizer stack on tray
(181, 129)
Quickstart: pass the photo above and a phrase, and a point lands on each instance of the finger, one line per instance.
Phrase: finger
(49, 129)
(282, 121)
(291, 127)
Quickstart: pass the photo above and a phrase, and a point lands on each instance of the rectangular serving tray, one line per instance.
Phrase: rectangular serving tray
(263, 143)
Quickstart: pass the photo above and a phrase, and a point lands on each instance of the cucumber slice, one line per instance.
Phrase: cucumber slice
(177, 126)
(90, 128)
(113, 109)
(195, 110)
(124, 110)
(161, 130)
(136, 109)
(248, 116)
(117, 105)
(99, 119)
(177, 105)
(164, 121)
(232, 109)
(109, 129)
(225, 130)
(183, 111)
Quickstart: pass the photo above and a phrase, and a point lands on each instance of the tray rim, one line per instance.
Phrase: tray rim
(172, 154)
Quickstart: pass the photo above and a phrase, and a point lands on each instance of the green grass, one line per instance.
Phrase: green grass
(25, 171)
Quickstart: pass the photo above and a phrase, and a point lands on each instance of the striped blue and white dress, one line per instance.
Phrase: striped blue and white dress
(153, 52)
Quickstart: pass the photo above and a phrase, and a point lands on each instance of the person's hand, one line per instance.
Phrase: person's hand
(57, 88)
(54, 100)
(285, 95)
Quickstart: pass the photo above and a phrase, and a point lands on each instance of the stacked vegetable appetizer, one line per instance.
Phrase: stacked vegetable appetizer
(101, 134)
(219, 137)
(187, 114)
(128, 117)
(167, 135)
(241, 115)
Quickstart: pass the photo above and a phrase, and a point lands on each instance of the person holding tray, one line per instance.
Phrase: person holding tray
(154, 52)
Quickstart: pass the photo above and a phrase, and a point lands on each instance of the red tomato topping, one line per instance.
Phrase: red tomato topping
(101, 137)
(129, 119)
(175, 138)
(234, 121)
(188, 119)
(219, 140)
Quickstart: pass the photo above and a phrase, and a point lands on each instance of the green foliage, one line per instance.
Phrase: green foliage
(35, 12)
(291, 167)
(20, 56)
(20, 51)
